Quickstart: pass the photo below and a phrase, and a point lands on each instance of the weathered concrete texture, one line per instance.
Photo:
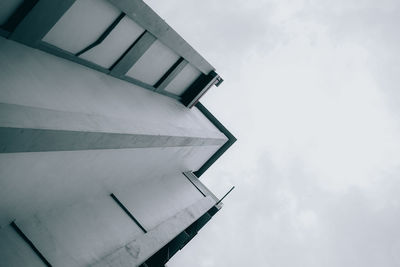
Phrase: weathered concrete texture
(80, 233)
(43, 191)
(40, 181)
(169, 195)
(138, 250)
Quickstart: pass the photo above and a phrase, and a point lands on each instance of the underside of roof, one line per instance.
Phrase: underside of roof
(122, 38)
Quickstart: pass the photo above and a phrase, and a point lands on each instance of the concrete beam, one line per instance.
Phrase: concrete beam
(143, 15)
(130, 57)
(14, 140)
(171, 74)
(54, 50)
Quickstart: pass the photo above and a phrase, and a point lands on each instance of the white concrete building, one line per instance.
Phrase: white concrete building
(102, 137)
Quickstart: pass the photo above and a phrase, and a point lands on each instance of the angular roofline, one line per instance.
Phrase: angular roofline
(231, 140)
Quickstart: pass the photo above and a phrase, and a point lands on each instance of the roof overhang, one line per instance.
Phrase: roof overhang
(149, 53)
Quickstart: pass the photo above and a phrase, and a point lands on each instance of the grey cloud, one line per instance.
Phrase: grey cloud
(282, 216)
(302, 78)
(286, 218)
(370, 24)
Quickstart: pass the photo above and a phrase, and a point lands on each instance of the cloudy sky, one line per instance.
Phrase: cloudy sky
(311, 92)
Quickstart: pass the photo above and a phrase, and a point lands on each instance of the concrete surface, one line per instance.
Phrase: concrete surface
(60, 199)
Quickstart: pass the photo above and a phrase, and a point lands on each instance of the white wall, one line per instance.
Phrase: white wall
(80, 233)
(61, 199)
(14, 252)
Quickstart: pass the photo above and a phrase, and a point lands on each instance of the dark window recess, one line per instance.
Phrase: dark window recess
(127, 212)
(198, 88)
(29, 242)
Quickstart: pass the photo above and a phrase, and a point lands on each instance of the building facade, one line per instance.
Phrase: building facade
(102, 135)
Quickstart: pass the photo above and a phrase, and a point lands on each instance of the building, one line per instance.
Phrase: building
(102, 137)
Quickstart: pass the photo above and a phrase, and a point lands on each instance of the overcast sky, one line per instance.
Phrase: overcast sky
(311, 93)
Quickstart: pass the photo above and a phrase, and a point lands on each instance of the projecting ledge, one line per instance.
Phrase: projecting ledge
(13, 140)
(30, 129)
